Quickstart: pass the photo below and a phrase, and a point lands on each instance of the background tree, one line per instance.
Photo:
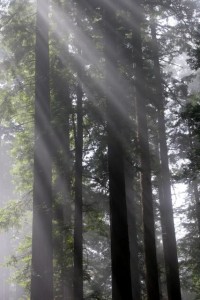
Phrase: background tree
(169, 238)
(120, 252)
(42, 261)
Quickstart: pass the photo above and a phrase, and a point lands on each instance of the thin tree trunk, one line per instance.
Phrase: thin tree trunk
(128, 129)
(78, 221)
(78, 216)
(120, 252)
(166, 209)
(62, 184)
(42, 267)
(146, 186)
(163, 286)
(132, 225)
(66, 205)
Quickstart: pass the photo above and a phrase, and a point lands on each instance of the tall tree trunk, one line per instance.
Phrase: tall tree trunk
(146, 186)
(128, 131)
(166, 209)
(163, 281)
(132, 225)
(62, 162)
(42, 267)
(78, 216)
(78, 221)
(62, 188)
(120, 253)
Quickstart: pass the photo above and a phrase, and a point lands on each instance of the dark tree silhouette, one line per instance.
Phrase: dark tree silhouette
(120, 253)
(144, 152)
(42, 268)
(166, 209)
(78, 221)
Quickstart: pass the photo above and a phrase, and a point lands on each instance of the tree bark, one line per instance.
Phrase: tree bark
(152, 281)
(78, 221)
(120, 252)
(42, 267)
(62, 162)
(78, 217)
(166, 209)
(132, 226)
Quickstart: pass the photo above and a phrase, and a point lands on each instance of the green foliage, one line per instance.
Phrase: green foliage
(11, 214)
(191, 115)
(21, 263)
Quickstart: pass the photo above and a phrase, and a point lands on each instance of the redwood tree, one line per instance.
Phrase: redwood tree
(166, 209)
(120, 253)
(42, 267)
(78, 221)
(145, 161)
